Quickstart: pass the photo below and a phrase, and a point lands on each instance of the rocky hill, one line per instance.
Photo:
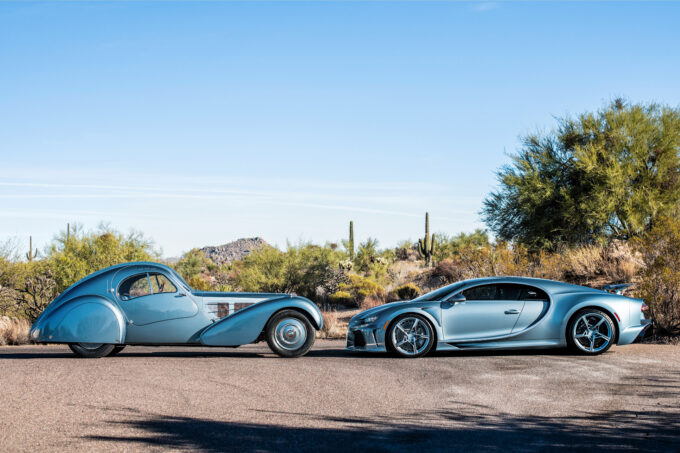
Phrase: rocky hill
(233, 251)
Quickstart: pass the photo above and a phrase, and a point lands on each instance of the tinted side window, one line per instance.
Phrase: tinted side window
(508, 292)
(484, 292)
(136, 286)
(161, 284)
(531, 293)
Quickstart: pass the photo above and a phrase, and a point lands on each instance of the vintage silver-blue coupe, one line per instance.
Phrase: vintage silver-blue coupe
(500, 313)
(147, 303)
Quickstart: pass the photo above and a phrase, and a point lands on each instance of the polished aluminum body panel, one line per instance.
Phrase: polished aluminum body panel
(500, 324)
(93, 311)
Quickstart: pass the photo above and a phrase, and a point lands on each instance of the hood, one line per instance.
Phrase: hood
(378, 309)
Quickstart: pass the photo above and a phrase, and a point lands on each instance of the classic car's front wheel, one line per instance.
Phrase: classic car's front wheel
(91, 350)
(290, 334)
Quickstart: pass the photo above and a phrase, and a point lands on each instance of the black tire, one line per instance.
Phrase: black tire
(595, 338)
(89, 352)
(116, 349)
(423, 326)
(290, 334)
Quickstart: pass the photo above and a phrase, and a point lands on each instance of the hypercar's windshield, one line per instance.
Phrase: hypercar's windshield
(440, 293)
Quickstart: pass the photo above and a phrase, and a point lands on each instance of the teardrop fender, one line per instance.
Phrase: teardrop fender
(245, 326)
(84, 319)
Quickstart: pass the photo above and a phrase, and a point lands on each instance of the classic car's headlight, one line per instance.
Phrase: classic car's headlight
(368, 320)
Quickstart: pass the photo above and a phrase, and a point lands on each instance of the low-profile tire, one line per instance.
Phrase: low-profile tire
(591, 332)
(116, 349)
(410, 336)
(91, 350)
(290, 334)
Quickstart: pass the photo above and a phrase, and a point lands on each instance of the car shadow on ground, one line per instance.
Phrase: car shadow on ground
(339, 352)
(218, 352)
(465, 428)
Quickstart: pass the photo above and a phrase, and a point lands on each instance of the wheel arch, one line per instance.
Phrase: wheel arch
(428, 317)
(83, 319)
(606, 310)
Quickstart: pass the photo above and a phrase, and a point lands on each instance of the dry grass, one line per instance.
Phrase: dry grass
(13, 331)
(370, 302)
(335, 323)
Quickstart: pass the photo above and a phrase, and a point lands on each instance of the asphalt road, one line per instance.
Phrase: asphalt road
(247, 399)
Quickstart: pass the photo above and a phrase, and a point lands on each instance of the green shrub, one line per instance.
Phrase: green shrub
(307, 270)
(343, 298)
(193, 263)
(408, 291)
(660, 281)
(359, 288)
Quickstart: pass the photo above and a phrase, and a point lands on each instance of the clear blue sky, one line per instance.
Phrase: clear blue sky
(201, 122)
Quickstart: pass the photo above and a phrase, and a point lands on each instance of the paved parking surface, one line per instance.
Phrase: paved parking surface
(247, 399)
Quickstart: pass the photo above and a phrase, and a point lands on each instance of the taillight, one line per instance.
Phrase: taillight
(644, 307)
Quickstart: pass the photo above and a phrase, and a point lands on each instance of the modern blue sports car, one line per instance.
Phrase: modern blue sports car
(500, 313)
(146, 303)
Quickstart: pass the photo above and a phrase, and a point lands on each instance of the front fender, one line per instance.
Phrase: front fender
(245, 325)
(84, 319)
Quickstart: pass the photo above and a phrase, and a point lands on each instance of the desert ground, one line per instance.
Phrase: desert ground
(247, 399)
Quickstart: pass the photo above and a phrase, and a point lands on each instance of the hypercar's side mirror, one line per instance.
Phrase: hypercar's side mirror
(456, 298)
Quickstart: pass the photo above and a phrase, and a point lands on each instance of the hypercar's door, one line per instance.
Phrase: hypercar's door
(486, 311)
(536, 304)
(150, 300)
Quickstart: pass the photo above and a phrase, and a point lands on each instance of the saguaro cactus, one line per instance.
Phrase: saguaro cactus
(351, 240)
(426, 245)
(31, 254)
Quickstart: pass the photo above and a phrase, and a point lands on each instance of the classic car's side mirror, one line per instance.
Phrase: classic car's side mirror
(181, 294)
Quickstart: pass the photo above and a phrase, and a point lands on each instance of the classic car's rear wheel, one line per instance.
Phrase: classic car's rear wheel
(591, 332)
(290, 334)
(91, 350)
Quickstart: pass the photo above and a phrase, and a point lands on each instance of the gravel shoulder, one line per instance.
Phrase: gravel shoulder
(247, 399)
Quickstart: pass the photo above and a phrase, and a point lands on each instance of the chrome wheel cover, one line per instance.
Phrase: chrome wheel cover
(290, 334)
(592, 332)
(411, 336)
(90, 346)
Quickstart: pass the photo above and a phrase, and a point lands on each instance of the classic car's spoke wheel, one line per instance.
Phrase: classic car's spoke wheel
(290, 334)
(591, 332)
(92, 350)
(410, 336)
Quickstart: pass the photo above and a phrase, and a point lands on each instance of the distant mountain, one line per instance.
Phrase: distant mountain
(233, 251)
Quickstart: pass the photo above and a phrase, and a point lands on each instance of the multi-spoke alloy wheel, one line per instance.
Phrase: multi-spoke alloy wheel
(410, 336)
(591, 331)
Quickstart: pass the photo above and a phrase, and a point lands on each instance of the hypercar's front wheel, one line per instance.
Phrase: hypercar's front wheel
(290, 334)
(91, 350)
(410, 336)
(591, 332)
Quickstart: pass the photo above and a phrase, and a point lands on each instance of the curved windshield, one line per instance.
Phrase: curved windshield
(440, 293)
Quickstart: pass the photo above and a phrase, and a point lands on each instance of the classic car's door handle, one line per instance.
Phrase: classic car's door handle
(512, 312)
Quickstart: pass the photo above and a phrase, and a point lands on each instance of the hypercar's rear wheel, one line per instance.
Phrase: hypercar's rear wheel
(591, 332)
(91, 350)
(290, 334)
(410, 336)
